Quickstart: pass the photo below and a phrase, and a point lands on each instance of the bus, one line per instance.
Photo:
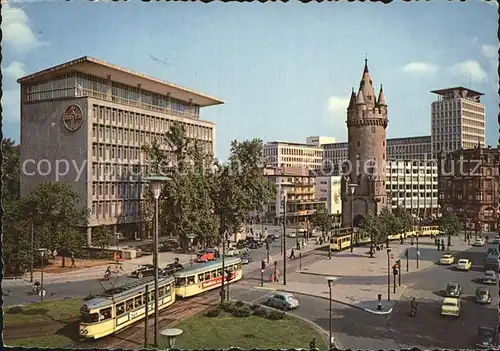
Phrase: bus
(120, 307)
(203, 277)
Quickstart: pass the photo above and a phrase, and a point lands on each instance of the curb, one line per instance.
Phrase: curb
(326, 298)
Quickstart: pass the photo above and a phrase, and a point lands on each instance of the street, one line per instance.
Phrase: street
(22, 294)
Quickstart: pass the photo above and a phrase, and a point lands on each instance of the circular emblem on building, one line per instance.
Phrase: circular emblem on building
(73, 118)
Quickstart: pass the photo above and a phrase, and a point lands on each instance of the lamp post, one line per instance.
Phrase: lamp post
(42, 290)
(331, 281)
(282, 194)
(352, 188)
(32, 251)
(389, 274)
(156, 185)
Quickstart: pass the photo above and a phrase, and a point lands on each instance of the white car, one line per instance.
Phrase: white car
(292, 235)
(464, 264)
(478, 242)
(496, 240)
(232, 252)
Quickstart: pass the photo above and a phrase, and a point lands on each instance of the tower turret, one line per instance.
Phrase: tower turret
(366, 85)
(360, 100)
(352, 101)
(381, 97)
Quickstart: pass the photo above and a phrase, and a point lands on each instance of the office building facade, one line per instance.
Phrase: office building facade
(97, 116)
(457, 120)
(292, 155)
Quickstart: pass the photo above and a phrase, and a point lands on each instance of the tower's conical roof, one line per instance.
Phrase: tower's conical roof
(352, 101)
(381, 97)
(366, 86)
(360, 99)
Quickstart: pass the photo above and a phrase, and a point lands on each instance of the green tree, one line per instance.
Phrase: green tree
(11, 173)
(372, 228)
(16, 237)
(449, 225)
(389, 224)
(102, 236)
(404, 218)
(322, 219)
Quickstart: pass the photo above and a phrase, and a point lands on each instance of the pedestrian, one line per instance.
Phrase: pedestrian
(276, 276)
(72, 261)
(442, 244)
(54, 253)
(292, 254)
(411, 239)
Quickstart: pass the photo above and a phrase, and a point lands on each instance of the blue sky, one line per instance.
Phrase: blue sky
(285, 71)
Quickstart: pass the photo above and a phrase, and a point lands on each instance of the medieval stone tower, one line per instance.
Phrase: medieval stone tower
(366, 166)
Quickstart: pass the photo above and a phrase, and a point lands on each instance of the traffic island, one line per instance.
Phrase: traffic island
(247, 327)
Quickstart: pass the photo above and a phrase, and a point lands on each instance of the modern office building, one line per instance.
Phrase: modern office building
(319, 140)
(299, 189)
(413, 185)
(469, 185)
(292, 155)
(457, 120)
(96, 117)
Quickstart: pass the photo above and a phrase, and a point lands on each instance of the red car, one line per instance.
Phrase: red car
(206, 255)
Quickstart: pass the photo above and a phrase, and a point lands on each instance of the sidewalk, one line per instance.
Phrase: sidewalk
(361, 278)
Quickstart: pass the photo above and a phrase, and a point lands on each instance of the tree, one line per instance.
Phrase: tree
(11, 173)
(372, 227)
(16, 237)
(321, 219)
(389, 224)
(405, 220)
(449, 225)
(102, 236)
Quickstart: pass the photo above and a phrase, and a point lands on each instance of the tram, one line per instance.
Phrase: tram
(206, 276)
(120, 307)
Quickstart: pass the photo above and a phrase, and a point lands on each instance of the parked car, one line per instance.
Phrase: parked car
(491, 262)
(283, 300)
(168, 245)
(255, 244)
(453, 289)
(206, 255)
(464, 264)
(450, 307)
(496, 240)
(483, 295)
(146, 270)
(487, 337)
(492, 251)
(292, 235)
(245, 258)
(447, 259)
(232, 251)
(489, 277)
(478, 242)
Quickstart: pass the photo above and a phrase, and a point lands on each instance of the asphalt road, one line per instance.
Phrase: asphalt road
(16, 295)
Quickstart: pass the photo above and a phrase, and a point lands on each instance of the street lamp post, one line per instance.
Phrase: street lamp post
(156, 186)
(331, 281)
(282, 194)
(352, 188)
(389, 274)
(32, 250)
(42, 289)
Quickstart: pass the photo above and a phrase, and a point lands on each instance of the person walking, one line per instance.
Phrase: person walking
(73, 265)
(292, 254)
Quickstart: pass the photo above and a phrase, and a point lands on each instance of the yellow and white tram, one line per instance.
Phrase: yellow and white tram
(206, 276)
(120, 307)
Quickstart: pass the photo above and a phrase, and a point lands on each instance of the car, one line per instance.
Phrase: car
(254, 244)
(206, 255)
(492, 251)
(464, 264)
(231, 252)
(271, 238)
(453, 289)
(489, 277)
(450, 307)
(283, 300)
(168, 245)
(496, 240)
(292, 235)
(146, 270)
(487, 338)
(171, 268)
(447, 259)
(245, 258)
(478, 242)
(483, 295)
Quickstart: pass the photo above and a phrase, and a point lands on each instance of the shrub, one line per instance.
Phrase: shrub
(275, 315)
(214, 312)
(254, 306)
(242, 312)
(228, 306)
(260, 312)
(240, 304)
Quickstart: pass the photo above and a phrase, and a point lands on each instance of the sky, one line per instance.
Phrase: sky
(285, 71)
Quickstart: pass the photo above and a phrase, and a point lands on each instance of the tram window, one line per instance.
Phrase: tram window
(190, 280)
(137, 301)
(168, 290)
(129, 305)
(90, 318)
(105, 313)
(219, 272)
(151, 297)
(238, 266)
(201, 277)
(143, 297)
(180, 281)
(120, 308)
(230, 268)
(214, 274)
(207, 276)
(161, 291)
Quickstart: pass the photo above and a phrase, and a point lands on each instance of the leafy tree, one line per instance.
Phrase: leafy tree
(11, 173)
(322, 219)
(450, 225)
(389, 224)
(16, 237)
(405, 220)
(102, 236)
(372, 227)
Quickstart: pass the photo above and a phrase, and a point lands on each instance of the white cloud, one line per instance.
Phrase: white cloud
(337, 108)
(338, 104)
(470, 69)
(17, 32)
(10, 105)
(420, 68)
(14, 70)
(491, 53)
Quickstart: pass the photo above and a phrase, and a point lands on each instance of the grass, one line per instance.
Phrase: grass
(49, 341)
(223, 332)
(42, 312)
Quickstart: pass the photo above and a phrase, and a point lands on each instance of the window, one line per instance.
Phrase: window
(129, 305)
(105, 313)
(138, 301)
(120, 308)
(89, 318)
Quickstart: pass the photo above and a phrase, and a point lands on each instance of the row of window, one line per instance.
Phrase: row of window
(120, 190)
(206, 276)
(113, 209)
(119, 171)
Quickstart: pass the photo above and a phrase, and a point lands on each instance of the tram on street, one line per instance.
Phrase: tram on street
(120, 307)
(206, 276)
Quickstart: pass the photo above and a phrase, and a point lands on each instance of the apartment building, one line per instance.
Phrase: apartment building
(96, 117)
(298, 185)
(469, 185)
(457, 120)
(292, 155)
(413, 185)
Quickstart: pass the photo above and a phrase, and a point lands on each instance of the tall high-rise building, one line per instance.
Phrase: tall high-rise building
(457, 120)
(84, 122)
(366, 125)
